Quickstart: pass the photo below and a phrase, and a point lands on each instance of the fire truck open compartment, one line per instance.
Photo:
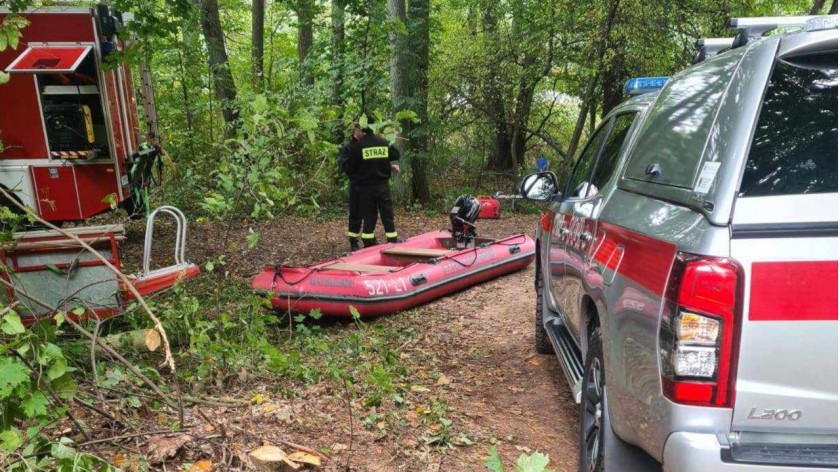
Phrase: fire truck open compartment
(69, 128)
(70, 99)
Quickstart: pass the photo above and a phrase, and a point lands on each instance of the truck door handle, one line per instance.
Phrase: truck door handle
(618, 251)
(585, 236)
(602, 237)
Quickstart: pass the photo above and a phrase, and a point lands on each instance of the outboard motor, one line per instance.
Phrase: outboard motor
(463, 216)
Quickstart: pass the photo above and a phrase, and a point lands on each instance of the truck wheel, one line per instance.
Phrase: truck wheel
(592, 406)
(542, 343)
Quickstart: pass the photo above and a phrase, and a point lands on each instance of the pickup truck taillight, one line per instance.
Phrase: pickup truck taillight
(699, 331)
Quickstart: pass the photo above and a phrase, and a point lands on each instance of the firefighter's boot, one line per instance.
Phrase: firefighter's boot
(354, 244)
(369, 242)
(393, 240)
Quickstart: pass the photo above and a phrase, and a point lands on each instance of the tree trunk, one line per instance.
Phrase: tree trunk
(410, 91)
(337, 16)
(257, 41)
(522, 111)
(400, 87)
(500, 153)
(186, 96)
(418, 41)
(399, 63)
(223, 85)
(494, 104)
(816, 7)
(593, 81)
(305, 40)
(518, 139)
(833, 9)
(510, 123)
(581, 121)
(612, 81)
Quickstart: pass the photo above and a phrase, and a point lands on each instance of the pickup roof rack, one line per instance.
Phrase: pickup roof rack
(750, 29)
(710, 47)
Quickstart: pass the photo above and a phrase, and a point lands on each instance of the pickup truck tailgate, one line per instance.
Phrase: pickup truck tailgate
(787, 364)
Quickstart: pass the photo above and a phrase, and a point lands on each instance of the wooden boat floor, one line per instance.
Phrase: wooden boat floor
(360, 267)
(415, 251)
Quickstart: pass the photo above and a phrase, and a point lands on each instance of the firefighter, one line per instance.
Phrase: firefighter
(354, 220)
(371, 161)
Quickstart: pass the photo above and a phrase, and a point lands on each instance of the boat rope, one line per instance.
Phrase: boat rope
(464, 264)
(501, 243)
(476, 248)
(278, 272)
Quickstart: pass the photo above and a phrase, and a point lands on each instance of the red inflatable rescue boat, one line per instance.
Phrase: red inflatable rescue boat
(389, 278)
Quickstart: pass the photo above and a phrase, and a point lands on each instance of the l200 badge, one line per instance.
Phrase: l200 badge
(770, 414)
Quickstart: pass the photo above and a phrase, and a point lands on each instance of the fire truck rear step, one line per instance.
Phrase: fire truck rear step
(154, 280)
(50, 270)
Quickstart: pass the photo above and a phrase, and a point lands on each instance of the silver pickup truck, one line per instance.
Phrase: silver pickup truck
(687, 269)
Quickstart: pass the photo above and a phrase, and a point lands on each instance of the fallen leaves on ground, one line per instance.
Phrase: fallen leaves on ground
(203, 465)
(161, 448)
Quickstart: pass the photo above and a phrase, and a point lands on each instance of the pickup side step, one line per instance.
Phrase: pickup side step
(567, 352)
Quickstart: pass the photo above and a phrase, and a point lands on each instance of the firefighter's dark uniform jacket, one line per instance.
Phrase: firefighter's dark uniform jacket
(369, 160)
(368, 165)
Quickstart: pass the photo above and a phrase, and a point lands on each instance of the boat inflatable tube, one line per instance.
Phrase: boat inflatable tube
(389, 278)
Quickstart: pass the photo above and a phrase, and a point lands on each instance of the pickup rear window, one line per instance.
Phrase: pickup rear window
(794, 149)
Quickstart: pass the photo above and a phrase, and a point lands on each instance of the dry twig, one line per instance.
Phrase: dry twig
(133, 435)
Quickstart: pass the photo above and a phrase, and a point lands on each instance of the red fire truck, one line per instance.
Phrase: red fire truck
(72, 148)
(72, 144)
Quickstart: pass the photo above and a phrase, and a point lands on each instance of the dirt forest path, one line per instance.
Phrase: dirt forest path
(501, 390)
(471, 360)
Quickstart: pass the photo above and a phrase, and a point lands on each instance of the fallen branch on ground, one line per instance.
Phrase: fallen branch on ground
(147, 339)
(130, 436)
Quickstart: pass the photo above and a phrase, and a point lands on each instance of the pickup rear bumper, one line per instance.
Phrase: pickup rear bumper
(697, 452)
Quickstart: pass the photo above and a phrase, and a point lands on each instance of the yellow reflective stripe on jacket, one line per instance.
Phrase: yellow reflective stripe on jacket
(377, 152)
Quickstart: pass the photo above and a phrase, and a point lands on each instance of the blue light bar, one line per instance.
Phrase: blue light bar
(640, 85)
